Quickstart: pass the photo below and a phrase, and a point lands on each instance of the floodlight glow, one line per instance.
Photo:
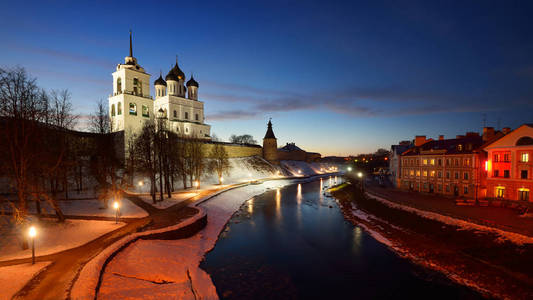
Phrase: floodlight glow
(32, 232)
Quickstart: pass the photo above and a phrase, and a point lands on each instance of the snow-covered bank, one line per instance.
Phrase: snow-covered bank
(13, 278)
(176, 263)
(516, 238)
(88, 208)
(52, 236)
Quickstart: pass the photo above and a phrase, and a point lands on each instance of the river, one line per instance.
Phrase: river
(293, 243)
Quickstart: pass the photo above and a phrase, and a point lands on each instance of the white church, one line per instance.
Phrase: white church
(176, 102)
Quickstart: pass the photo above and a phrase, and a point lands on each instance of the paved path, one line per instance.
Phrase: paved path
(57, 279)
(503, 218)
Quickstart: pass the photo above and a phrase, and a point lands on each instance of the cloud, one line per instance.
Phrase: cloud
(232, 115)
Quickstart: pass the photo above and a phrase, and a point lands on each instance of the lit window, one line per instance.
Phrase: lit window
(506, 157)
(500, 192)
(418, 173)
(412, 172)
(425, 162)
(432, 162)
(525, 157)
(432, 173)
(425, 173)
(523, 194)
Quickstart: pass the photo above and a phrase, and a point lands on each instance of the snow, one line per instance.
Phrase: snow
(153, 261)
(516, 238)
(52, 236)
(167, 202)
(92, 207)
(13, 278)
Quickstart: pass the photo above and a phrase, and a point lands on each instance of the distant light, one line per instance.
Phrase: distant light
(196, 183)
(249, 174)
(221, 179)
(360, 174)
(32, 232)
(115, 204)
(299, 171)
(349, 169)
(486, 166)
(140, 183)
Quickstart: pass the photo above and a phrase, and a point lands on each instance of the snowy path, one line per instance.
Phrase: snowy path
(22, 273)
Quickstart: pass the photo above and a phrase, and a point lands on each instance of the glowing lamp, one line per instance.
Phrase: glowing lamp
(221, 179)
(116, 206)
(349, 169)
(140, 183)
(32, 232)
(486, 166)
(196, 184)
(360, 174)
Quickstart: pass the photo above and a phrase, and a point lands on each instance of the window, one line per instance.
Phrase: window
(417, 173)
(448, 162)
(506, 173)
(187, 130)
(523, 174)
(119, 85)
(496, 173)
(467, 162)
(447, 188)
(524, 157)
(523, 194)
(506, 157)
(439, 174)
(439, 162)
(460, 147)
(119, 108)
(133, 109)
(432, 173)
(500, 192)
(412, 162)
(465, 176)
(439, 187)
(456, 175)
(425, 185)
(432, 161)
(425, 162)
(186, 116)
(112, 110)
(425, 173)
(137, 87)
(145, 111)
(465, 190)
(447, 175)
(496, 157)
(196, 117)
(175, 114)
(457, 162)
(412, 172)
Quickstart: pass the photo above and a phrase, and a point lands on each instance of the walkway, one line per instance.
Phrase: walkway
(503, 218)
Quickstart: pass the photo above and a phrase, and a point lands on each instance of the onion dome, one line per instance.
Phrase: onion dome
(192, 82)
(177, 71)
(160, 81)
(171, 76)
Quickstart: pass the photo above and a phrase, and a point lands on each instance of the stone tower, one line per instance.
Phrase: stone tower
(270, 145)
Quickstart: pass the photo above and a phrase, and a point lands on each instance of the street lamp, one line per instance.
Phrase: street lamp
(360, 175)
(221, 179)
(349, 169)
(116, 206)
(196, 184)
(32, 233)
(140, 183)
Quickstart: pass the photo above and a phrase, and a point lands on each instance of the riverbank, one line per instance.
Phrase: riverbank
(482, 260)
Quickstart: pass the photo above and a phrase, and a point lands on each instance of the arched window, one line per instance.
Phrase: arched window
(186, 116)
(137, 87)
(119, 85)
(145, 111)
(175, 114)
(525, 140)
(112, 110)
(119, 108)
(196, 117)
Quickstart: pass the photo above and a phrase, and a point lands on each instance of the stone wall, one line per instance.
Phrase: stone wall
(234, 150)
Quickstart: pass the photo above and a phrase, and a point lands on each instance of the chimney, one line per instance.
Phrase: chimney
(506, 130)
(441, 137)
(488, 133)
(419, 140)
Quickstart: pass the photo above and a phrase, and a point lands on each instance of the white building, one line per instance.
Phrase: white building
(131, 105)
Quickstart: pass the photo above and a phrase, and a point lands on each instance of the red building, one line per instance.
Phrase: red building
(509, 165)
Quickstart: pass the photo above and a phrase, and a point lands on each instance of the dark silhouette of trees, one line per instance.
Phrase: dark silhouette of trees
(219, 161)
(242, 139)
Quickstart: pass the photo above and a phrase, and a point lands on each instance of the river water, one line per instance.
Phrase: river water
(293, 243)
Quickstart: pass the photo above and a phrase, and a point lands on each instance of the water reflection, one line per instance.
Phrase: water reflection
(251, 206)
(357, 237)
(321, 193)
(278, 205)
(299, 202)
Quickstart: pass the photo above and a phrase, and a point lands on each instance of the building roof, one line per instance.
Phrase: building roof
(171, 76)
(192, 82)
(399, 149)
(270, 133)
(290, 147)
(462, 145)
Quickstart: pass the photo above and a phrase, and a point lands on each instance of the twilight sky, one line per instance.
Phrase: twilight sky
(336, 77)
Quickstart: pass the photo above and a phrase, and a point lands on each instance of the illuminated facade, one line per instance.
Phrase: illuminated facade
(444, 166)
(176, 102)
(510, 165)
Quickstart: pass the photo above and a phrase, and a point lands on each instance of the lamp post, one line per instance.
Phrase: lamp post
(360, 175)
(196, 184)
(220, 180)
(160, 118)
(117, 207)
(32, 233)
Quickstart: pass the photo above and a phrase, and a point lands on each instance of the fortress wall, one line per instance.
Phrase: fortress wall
(235, 150)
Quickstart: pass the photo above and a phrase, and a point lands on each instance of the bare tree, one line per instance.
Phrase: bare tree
(219, 161)
(100, 122)
(194, 159)
(242, 139)
(145, 155)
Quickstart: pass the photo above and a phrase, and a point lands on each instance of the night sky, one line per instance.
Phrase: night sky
(336, 78)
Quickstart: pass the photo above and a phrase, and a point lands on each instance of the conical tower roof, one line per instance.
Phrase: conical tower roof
(270, 133)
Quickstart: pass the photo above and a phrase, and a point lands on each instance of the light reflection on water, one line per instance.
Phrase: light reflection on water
(294, 244)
